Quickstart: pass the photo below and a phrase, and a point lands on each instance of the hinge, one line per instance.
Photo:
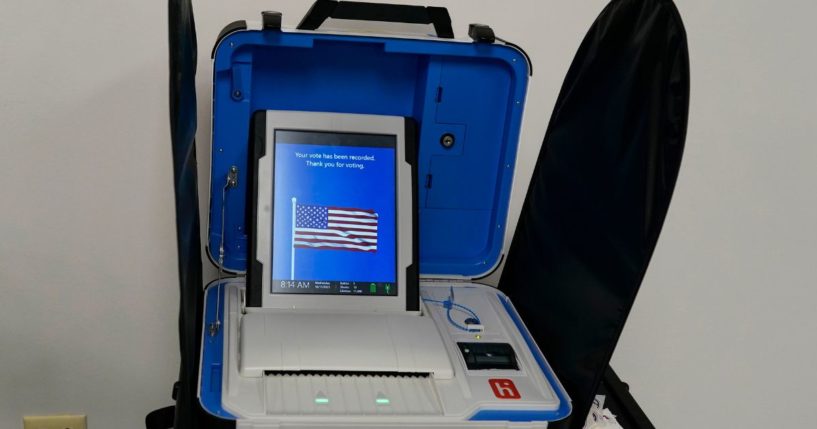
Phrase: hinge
(271, 20)
(481, 33)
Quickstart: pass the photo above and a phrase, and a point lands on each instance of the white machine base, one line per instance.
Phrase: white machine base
(377, 370)
(288, 341)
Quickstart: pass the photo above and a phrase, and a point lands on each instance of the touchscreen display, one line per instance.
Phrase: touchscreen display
(334, 214)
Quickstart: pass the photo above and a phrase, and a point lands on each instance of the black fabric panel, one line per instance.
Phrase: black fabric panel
(182, 50)
(161, 418)
(600, 190)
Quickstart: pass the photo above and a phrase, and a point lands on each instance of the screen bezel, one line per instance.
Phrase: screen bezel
(260, 267)
(287, 137)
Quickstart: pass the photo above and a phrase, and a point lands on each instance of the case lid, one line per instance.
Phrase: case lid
(467, 99)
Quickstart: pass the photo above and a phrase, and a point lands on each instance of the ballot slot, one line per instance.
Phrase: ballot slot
(351, 373)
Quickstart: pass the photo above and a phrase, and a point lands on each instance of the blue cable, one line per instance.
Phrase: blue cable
(456, 325)
(449, 304)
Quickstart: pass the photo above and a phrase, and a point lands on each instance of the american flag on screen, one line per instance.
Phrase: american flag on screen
(335, 228)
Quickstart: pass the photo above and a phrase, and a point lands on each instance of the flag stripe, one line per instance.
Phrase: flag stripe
(351, 212)
(352, 220)
(349, 226)
(315, 238)
(334, 245)
(338, 232)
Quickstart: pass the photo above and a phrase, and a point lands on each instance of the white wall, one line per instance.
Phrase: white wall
(87, 256)
(722, 327)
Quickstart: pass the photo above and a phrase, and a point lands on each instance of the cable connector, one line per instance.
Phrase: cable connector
(474, 327)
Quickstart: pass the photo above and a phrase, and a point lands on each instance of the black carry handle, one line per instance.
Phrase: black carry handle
(361, 11)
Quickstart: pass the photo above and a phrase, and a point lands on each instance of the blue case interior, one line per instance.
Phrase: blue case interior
(473, 91)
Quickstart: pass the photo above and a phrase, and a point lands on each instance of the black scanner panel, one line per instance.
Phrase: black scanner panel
(480, 356)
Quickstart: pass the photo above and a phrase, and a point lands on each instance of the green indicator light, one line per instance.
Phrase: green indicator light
(321, 400)
(382, 401)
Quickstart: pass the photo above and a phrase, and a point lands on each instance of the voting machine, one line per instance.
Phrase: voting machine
(359, 189)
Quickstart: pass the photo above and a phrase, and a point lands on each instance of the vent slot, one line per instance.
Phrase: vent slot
(347, 393)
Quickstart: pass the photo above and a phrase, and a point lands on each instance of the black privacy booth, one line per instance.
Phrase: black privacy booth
(591, 218)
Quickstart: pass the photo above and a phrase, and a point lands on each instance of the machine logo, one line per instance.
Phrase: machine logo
(504, 388)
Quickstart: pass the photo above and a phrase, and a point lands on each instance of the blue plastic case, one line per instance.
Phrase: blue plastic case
(473, 92)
